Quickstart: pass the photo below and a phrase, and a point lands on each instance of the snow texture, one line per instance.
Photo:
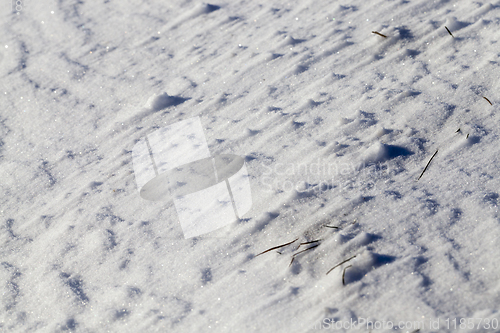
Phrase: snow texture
(335, 125)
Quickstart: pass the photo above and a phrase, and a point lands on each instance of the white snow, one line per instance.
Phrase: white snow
(335, 125)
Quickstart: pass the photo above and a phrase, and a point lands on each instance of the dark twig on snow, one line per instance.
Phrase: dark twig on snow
(296, 254)
(449, 31)
(378, 33)
(427, 165)
(343, 274)
(314, 241)
(487, 100)
(331, 269)
(277, 247)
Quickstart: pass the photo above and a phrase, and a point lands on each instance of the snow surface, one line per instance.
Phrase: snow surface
(335, 124)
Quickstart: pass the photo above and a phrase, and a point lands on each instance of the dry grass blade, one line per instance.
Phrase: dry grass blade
(305, 243)
(314, 241)
(427, 165)
(487, 100)
(449, 31)
(378, 33)
(309, 248)
(296, 254)
(343, 274)
(277, 247)
(331, 269)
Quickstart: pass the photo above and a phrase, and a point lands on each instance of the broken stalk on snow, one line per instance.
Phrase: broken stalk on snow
(277, 247)
(314, 241)
(309, 248)
(449, 31)
(343, 274)
(378, 33)
(305, 243)
(331, 269)
(487, 100)
(427, 165)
